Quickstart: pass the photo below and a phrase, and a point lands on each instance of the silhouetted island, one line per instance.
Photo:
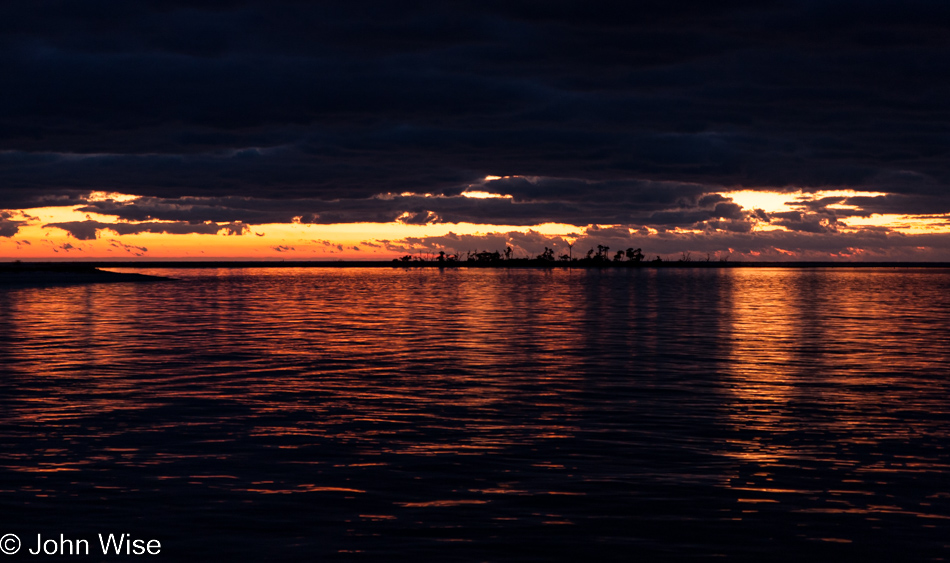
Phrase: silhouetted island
(58, 273)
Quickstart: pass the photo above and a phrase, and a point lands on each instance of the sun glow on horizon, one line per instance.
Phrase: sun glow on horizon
(113, 196)
(850, 218)
(94, 236)
(275, 241)
(477, 194)
(775, 202)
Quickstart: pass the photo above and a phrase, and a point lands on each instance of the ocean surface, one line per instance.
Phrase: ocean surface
(483, 415)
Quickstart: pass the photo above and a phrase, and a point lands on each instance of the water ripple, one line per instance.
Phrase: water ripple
(485, 414)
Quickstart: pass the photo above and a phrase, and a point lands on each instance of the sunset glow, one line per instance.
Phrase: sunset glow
(276, 241)
(39, 238)
(788, 201)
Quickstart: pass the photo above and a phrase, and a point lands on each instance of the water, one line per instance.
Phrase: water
(523, 415)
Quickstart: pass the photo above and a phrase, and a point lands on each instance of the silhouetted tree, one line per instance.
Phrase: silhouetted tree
(486, 256)
(547, 255)
(618, 257)
(508, 253)
(634, 255)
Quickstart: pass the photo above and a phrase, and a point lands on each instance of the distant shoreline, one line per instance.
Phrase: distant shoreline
(93, 266)
(45, 274)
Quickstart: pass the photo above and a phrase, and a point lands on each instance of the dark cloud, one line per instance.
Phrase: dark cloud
(805, 222)
(131, 249)
(530, 202)
(8, 228)
(10, 223)
(900, 204)
(627, 112)
(82, 230)
(89, 230)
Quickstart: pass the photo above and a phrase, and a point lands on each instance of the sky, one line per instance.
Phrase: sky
(361, 130)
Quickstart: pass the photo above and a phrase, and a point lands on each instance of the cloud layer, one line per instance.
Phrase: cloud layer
(607, 113)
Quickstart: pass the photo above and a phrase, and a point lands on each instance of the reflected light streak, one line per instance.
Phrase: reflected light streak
(542, 397)
(804, 341)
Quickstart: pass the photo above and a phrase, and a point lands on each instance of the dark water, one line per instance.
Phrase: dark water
(390, 415)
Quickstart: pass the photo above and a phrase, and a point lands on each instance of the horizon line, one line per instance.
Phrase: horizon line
(513, 263)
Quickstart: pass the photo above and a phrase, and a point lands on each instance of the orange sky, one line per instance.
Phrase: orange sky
(359, 241)
(293, 241)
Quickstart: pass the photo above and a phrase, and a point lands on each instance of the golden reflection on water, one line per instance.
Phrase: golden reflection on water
(305, 345)
(847, 346)
(800, 392)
